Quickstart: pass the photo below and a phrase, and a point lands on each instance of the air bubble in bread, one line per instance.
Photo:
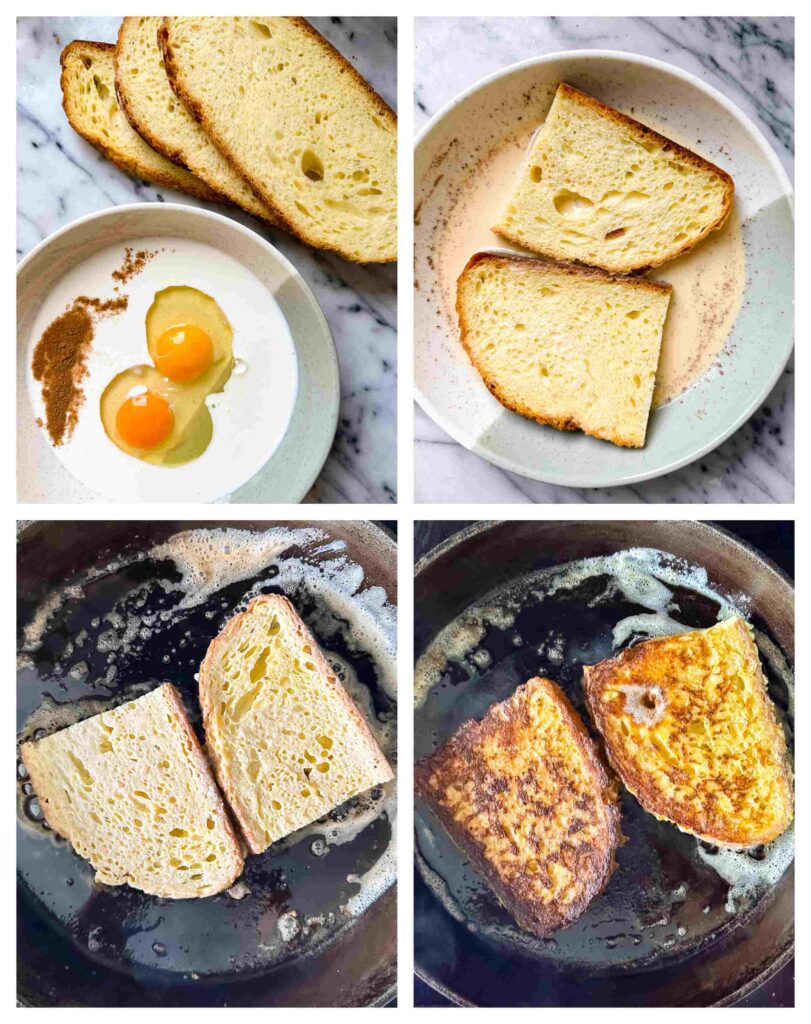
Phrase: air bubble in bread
(364, 614)
(645, 704)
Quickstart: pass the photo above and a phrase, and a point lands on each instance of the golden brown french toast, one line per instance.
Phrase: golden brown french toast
(690, 729)
(525, 794)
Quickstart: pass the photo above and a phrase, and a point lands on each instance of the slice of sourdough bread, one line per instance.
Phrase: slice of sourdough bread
(132, 792)
(600, 188)
(311, 137)
(526, 796)
(690, 728)
(89, 101)
(565, 345)
(286, 740)
(165, 122)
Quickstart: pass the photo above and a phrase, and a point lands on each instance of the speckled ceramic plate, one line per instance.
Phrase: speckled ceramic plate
(277, 428)
(757, 346)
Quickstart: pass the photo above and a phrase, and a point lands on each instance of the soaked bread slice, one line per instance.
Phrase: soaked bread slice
(311, 137)
(689, 726)
(567, 346)
(89, 100)
(524, 794)
(287, 742)
(600, 188)
(165, 122)
(132, 792)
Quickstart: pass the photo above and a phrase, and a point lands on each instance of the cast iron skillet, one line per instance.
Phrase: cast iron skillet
(475, 969)
(85, 945)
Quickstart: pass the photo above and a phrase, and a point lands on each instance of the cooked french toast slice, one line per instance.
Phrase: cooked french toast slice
(690, 729)
(525, 795)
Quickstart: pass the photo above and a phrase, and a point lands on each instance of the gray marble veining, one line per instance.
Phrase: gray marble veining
(61, 177)
(749, 60)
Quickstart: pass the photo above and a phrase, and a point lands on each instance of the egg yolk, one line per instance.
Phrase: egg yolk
(183, 352)
(144, 420)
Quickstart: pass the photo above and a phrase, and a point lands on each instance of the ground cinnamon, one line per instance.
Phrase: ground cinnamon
(60, 361)
(134, 263)
(60, 356)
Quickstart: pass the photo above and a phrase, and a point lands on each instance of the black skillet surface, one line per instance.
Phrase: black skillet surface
(682, 956)
(89, 945)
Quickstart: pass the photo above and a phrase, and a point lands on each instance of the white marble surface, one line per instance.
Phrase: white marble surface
(61, 177)
(749, 60)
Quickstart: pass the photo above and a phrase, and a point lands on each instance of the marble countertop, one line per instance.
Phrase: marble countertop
(751, 61)
(61, 177)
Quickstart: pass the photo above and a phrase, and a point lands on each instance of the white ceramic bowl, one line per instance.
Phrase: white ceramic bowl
(278, 468)
(760, 343)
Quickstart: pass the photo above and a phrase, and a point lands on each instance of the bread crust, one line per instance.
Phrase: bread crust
(596, 864)
(176, 81)
(204, 767)
(571, 267)
(284, 608)
(643, 659)
(194, 187)
(58, 822)
(51, 811)
(174, 153)
(580, 270)
(687, 155)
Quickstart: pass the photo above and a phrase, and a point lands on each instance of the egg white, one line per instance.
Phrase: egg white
(250, 415)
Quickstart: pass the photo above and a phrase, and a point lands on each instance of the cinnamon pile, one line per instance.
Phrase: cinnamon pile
(60, 359)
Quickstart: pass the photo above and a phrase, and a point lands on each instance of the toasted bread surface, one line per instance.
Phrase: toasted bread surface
(301, 126)
(92, 108)
(164, 121)
(287, 742)
(601, 188)
(565, 345)
(525, 795)
(132, 792)
(690, 729)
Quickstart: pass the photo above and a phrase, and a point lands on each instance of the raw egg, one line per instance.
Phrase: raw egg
(183, 352)
(158, 413)
(144, 419)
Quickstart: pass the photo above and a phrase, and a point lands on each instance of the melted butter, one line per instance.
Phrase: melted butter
(708, 282)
